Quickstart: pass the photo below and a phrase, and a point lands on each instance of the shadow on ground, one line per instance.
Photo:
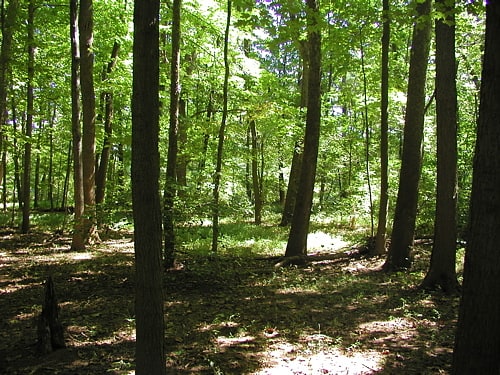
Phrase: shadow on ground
(224, 315)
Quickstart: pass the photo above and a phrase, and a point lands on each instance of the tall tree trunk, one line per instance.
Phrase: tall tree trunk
(150, 351)
(442, 271)
(170, 183)
(380, 237)
(107, 96)
(25, 225)
(5, 57)
(50, 176)
(399, 256)
(297, 240)
(222, 130)
(67, 175)
(477, 342)
(78, 238)
(256, 178)
(86, 26)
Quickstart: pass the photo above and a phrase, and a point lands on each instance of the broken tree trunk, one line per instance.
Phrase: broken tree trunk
(50, 330)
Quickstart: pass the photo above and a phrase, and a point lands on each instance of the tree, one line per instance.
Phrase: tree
(297, 239)
(86, 29)
(380, 237)
(150, 355)
(25, 225)
(406, 205)
(8, 25)
(442, 271)
(222, 131)
(170, 183)
(477, 341)
(78, 238)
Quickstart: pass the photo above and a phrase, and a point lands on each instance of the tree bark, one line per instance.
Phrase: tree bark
(25, 225)
(256, 180)
(380, 237)
(150, 352)
(5, 57)
(399, 256)
(222, 130)
(86, 26)
(297, 239)
(78, 238)
(442, 271)
(477, 342)
(171, 180)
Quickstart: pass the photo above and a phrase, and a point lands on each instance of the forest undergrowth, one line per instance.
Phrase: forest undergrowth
(233, 313)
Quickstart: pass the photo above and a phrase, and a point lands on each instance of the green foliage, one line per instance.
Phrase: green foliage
(266, 50)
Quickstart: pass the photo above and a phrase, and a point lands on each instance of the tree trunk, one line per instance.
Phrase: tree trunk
(477, 342)
(78, 238)
(222, 129)
(100, 179)
(25, 225)
(293, 183)
(5, 57)
(297, 240)
(150, 351)
(170, 183)
(86, 26)
(442, 271)
(380, 237)
(399, 256)
(256, 180)
(67, 174)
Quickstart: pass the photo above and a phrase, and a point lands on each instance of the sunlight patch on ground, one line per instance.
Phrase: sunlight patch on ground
(321, 241)
(284, 359)
(82, 256)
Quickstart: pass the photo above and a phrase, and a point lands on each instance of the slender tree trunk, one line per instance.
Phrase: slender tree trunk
(442, 271)
(67, 174)
(256, 178)
(50, 176)
(297, 240)
(222, 130)
(149, 318)
(25, 225)
(477, 342)
(399, 256)
(78, 238)
(102, 170)
(86, 26)
(170, 183)
(380, 237)
(7, 26)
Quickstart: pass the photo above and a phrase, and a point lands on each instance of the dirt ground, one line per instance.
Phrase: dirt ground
(224, 315)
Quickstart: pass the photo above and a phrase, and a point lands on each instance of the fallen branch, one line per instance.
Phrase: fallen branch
(302, 260)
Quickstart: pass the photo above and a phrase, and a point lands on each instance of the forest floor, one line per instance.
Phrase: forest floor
(230, 314)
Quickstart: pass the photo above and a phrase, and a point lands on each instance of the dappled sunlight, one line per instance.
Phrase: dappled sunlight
(324, 242)
(82, 256)
(285, 358)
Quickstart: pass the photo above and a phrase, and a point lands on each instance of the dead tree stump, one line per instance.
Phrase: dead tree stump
(49, 329)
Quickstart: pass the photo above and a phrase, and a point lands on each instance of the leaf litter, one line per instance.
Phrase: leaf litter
(224, 315)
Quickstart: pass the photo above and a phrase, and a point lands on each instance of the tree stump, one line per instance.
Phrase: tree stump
(50, 331)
